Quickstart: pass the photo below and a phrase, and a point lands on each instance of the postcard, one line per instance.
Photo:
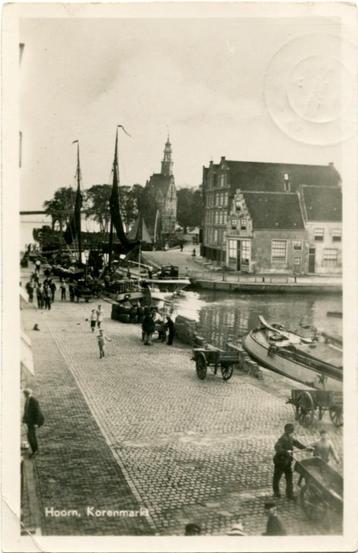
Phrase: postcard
(179, 210)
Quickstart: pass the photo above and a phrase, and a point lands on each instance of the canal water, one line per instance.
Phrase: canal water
(227, 317)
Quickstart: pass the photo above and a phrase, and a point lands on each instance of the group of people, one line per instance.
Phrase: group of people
(44, 291)
(153, 321)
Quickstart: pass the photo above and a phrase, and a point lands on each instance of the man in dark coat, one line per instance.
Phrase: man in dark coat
(53, 290)
(171, 330)
(33, 418)
(283, 460)
(274, 526)
(148, 327)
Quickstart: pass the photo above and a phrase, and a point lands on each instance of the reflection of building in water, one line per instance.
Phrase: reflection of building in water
(220, 324)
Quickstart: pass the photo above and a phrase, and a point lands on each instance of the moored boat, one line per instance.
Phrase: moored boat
(305, 360)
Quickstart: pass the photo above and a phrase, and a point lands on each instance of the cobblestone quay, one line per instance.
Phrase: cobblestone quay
(138, 429)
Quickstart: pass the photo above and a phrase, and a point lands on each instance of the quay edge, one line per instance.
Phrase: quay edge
(267, 287)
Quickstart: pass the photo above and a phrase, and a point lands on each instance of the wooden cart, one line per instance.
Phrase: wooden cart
(321, 495)
(312, 404)
(215, 359)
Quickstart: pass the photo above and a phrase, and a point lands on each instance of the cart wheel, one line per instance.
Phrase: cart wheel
(201, 366)
(336, 414)
(312, 504)
(227, 371)
(305, 409)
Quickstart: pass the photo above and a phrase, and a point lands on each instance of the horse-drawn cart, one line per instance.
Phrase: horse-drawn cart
(321, 495)
(215, 359)
(312, 404)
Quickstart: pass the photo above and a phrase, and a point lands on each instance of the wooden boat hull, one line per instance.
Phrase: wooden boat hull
(304, 374)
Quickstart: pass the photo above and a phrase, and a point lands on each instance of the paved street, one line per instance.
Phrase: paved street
(138, 429)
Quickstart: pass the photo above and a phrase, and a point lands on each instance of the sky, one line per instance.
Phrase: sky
(201, 80)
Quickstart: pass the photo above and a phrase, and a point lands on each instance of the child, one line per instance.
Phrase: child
(93, 319)
(324, 448)
(101, 341)
(99, 316)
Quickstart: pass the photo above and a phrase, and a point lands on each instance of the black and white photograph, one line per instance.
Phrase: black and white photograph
(183, 275)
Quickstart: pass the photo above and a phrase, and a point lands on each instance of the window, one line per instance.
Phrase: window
(278, 250)
(224, 217)
(243, 224)
(318, 234)
(330, 257)
(221, 180)
(232, 249)
(245, 250)
(336, 235)
(297, 245)
(225, 199)
(215, 236)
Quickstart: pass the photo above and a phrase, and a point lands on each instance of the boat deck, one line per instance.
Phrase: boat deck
(327, 353)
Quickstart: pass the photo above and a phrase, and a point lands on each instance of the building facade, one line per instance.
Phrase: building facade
(322, 212)
(265, 233)
(222, 180)
(160, 189)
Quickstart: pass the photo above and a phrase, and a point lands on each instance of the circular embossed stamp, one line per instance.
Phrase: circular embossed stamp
(310, 89)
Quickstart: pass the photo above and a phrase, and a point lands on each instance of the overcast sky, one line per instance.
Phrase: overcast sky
(201, 79)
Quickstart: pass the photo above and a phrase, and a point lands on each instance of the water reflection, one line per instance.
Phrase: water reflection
(224, 317)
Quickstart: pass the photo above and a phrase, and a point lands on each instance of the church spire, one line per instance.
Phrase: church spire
(167, 163)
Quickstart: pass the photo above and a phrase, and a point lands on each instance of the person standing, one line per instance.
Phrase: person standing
(99, 314)
(47, 297)
(71, 292)
(324, 448)
(38, 266)
(171, 330)
(93, 319)
(33, 418)
(53, 289)
(30, 291)
(274, 526)
(101, 342)
(63, 291)
(148, 327)
(283, 460)
(39, 296)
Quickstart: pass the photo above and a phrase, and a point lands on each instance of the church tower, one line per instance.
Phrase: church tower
(167, 163)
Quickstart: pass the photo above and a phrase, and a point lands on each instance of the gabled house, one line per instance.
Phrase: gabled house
(265, 233)
(322, 213)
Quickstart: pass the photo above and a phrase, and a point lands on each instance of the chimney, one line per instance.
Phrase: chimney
(222, 159)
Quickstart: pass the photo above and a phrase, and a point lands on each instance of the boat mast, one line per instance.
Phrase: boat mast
(78, 176)
(115, 168)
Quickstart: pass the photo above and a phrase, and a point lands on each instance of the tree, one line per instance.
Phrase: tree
(61, 206)
(189, 207)
(97, 200)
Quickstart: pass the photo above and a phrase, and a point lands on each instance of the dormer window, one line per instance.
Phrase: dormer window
(243, 224)
(318, 234)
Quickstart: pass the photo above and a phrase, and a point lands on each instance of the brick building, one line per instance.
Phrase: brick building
(322, 213)
(265, 233)
(222, 180)
(160, 190)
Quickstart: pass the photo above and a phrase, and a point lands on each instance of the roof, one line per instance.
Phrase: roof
(160, 182)
(322, 204)
(274, 210)
(265, 176)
